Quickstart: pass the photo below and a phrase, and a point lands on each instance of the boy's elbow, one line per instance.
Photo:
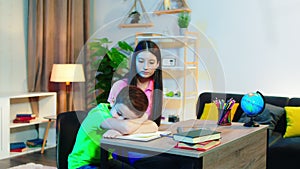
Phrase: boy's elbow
(152, 127)
(155, 127)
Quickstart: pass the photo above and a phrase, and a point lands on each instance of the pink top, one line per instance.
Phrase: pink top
(120, 84)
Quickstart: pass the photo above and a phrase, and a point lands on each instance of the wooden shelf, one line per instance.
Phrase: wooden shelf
(12, 104)
(30, 150)
(179, 98)
(172, 7)
(35, 121)
(136, 25)
(172, 11)
(167, 42)
(176, 68)
(136, 17)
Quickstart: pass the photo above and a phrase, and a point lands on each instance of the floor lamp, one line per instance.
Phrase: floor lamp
(67, 73)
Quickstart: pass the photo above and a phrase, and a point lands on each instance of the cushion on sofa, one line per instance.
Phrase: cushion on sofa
(208, 97)
(284, 154)
(210, 111)
(269, 116)
(293, 121)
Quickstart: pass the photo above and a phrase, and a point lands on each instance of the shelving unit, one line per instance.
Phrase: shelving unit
(172, 7)
(136, 17)
(14, 103)
(180, 76)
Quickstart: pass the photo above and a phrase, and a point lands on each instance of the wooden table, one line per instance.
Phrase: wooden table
(241, 147)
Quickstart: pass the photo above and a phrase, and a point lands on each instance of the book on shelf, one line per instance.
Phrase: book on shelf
(144, 136)
(34, 142)
(197, 136)
(18, 150)
(25, 115)
(202, 146)
(17, 145)
(24, 118)
(22, 121)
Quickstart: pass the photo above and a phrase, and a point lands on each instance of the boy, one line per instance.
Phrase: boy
(125, 117)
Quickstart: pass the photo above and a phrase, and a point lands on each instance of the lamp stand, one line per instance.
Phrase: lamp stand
(68, 95)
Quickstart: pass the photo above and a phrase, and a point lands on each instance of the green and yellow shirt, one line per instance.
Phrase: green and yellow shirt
(87, 146)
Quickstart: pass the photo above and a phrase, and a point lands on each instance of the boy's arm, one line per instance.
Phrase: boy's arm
(111, 134)
(124, 126)
(147, 127)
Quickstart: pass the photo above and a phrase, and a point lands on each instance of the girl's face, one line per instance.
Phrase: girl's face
(146, 64)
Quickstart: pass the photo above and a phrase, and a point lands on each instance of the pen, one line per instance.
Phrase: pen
(166, 135)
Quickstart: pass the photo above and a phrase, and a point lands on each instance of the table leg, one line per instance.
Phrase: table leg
(46, 135)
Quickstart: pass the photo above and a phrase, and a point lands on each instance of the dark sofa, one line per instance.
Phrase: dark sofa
(282, 152)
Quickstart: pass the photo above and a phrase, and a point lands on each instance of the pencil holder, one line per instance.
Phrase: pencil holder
(224, 118)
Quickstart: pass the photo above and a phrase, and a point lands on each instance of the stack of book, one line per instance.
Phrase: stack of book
(24, 118)
(199, 139)
(17, 147)
(35, 142)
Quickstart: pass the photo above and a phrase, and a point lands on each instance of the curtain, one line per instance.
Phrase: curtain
(57, 32)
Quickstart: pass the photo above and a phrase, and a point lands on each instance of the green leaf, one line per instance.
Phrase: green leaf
(104, 40)
(125, 46)
(105, 67)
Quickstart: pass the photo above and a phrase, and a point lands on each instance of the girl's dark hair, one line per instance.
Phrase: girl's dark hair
(147, 45)
(134, 98)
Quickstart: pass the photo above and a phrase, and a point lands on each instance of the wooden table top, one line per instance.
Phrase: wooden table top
(230, 134)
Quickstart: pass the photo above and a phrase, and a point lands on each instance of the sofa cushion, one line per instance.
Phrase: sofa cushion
(284, 153)
(293, 121)
(269, 116)
(210, 111)
(273, 138)
(208, 97)
(292, 143)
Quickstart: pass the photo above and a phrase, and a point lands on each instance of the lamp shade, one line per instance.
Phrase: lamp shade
(67, 73)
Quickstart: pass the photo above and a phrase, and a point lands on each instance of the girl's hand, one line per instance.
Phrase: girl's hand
(111, 134)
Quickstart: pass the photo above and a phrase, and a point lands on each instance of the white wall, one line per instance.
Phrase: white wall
(255, 41)
(12, 46)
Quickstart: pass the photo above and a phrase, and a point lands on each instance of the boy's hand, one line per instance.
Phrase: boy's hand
(111, 134)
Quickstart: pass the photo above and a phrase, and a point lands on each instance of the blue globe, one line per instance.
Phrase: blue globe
(253, 103)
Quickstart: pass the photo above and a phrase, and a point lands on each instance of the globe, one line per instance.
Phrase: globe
(252, 104)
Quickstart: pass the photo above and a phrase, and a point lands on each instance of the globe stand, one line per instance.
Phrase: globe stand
(251, 123)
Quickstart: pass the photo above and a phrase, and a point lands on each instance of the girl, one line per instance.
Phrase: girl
(145, 73)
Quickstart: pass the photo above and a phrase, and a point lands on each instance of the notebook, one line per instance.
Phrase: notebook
(144, 136)
(197, 136)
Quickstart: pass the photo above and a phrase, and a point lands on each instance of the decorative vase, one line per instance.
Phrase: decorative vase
(182, 31)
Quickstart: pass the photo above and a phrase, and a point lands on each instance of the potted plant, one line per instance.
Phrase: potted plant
(183, 20)
(105, 64)
(135, 17)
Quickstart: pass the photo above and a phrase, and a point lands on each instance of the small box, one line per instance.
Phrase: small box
(173, 118)
(169, 62)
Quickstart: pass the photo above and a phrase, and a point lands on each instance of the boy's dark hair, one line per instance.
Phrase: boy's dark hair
(134, 98)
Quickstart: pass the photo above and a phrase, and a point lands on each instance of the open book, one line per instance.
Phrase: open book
(144, 136)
